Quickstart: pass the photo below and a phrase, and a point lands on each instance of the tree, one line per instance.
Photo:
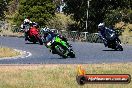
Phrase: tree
(3, 8)
(57, 2)
(60, 22)
(99, 11)
(3, 5)
(39, 11)
(12, 6)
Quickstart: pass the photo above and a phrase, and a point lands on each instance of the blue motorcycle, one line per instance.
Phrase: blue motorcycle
(113, 40)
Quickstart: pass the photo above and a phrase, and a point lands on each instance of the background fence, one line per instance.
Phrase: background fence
(79, 36)
(88, 37)
(70, 35)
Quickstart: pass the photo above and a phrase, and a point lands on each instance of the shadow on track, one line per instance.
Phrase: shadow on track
(31, 43)
(59, 58)
(109, 50)
(62, 58)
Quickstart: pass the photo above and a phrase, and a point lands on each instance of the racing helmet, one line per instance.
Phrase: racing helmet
(101, 25)
(34, 24)
(26, 21)
(46, 31)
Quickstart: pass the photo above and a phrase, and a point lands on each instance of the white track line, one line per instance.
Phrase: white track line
(29, 54)
(23, 54)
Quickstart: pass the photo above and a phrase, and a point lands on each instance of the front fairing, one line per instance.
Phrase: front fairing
(59, 40)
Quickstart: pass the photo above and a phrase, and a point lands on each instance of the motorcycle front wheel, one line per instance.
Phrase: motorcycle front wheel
(61, 50)
(39, 40)
(72, 54)
(118, 46)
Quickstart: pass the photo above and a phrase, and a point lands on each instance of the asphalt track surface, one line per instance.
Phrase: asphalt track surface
(86, 53)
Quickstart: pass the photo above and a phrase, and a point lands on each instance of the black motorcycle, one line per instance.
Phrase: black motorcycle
(113, 40)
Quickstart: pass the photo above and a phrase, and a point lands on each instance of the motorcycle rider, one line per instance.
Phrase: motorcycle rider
(102, 34)
(26, 26)
(102, 29)
(49, 35)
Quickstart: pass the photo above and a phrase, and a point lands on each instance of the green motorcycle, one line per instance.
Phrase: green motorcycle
(60, 47)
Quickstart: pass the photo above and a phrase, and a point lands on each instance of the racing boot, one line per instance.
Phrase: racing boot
(26, 36)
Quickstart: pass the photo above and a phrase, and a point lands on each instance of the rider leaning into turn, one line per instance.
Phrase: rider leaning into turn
(49, 35)
(25, 24)
(102, 28)
(33, 27)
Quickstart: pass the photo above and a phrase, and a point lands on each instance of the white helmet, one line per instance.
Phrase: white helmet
(27, 21)
(101, 25)
(45, 29)
(22, 26)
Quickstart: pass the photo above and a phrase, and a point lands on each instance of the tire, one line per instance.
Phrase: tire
(33, 39)
(40, 41)
(34, 42)
(118, 46)
(71, 54)
(61, 53)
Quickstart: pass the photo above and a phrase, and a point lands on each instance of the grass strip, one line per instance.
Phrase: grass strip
(58, 76)
(8, 52)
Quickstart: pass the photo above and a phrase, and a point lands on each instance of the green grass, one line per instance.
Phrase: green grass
(58, 76)
(7, 52)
